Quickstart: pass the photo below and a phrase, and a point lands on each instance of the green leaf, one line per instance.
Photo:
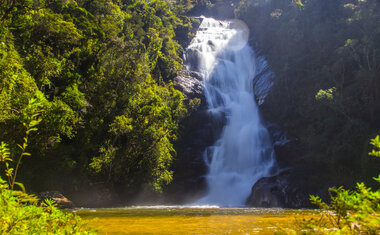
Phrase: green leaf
(21, 186)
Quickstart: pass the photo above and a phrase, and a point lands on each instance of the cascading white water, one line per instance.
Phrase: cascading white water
(244, 152)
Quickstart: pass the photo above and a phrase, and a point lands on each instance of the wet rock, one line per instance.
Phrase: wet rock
(198, 132)
(289, 189)
(279, 138)
(298, 178)
(58, 197)
(263, 81)
(190, 84)
(191, 59)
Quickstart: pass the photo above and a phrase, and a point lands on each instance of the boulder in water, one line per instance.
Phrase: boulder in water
(289, 189)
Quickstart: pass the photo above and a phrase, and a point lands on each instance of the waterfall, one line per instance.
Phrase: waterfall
(243, 153)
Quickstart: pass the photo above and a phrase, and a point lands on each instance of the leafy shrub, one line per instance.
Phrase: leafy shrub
(21, 214)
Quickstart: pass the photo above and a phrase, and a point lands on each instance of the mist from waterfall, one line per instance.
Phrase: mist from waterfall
(244, 153)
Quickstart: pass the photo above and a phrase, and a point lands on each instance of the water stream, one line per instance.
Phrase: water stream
(193, 220)
(244, 153)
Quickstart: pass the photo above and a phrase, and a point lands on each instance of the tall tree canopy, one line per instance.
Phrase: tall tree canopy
(101, 71)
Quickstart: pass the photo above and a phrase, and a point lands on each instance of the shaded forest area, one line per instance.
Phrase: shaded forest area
(326, 93)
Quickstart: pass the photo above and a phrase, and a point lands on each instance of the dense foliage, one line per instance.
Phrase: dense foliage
(97, 75)
(21, 214)
(326, 94)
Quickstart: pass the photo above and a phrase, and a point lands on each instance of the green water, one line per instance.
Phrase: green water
(192, 220)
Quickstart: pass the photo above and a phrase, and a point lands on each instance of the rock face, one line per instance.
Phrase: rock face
(278, 191)
(199, 131)
(197, 134)
(298, 177)
(61, 200)
(190, 84)
(296, 181)
(262, 82)
(289, 189)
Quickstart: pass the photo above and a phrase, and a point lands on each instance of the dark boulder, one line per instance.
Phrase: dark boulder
(289, 189)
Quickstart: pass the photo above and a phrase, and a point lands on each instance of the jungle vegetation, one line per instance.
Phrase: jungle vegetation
(95, 78)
